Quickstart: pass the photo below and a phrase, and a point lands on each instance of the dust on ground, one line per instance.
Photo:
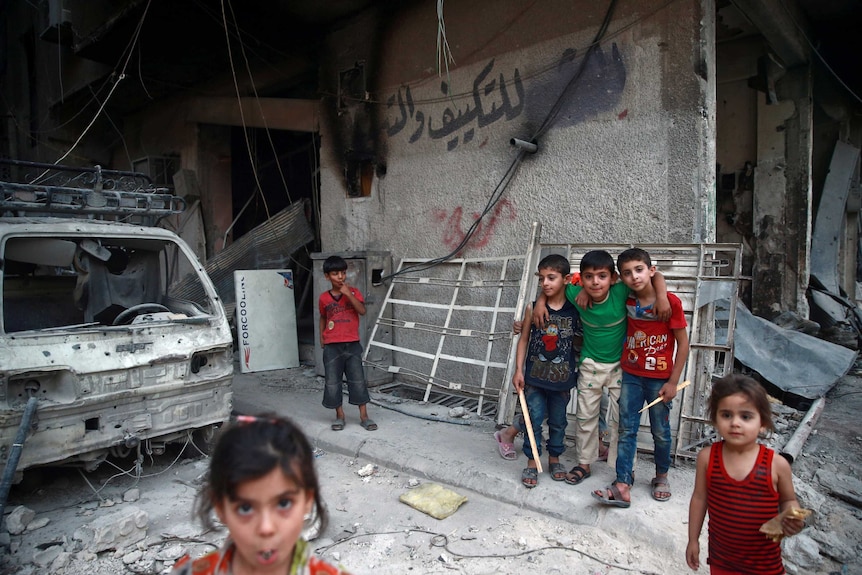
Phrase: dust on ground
(371, 531)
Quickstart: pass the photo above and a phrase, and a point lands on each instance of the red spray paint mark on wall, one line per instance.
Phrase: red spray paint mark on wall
(455, 228)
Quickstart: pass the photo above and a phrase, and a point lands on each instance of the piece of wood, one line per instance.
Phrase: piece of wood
(529, 425)
(680, 386)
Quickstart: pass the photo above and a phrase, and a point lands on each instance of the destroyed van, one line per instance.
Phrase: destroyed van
(93, 326)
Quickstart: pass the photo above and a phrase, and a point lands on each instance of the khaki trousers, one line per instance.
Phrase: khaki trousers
(593, 377)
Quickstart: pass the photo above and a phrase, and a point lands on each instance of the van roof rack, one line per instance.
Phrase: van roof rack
(57, 190)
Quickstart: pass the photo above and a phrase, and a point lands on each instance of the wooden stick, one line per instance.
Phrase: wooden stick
(529, 425)
(682, 385)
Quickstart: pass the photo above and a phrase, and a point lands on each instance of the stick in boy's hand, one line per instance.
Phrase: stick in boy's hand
(529, 425)
(679, 387)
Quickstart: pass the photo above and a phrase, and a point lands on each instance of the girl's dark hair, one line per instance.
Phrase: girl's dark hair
(736, 383)
(598, 260)
(248, 450)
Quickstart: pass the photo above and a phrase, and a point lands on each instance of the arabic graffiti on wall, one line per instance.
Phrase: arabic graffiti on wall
(489, 102)
(493, 98)
(454, 228)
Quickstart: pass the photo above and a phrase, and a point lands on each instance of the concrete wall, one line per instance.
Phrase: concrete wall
(629, 158)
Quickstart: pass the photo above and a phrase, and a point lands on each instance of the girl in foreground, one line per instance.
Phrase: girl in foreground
(263, 487)
(741, 484)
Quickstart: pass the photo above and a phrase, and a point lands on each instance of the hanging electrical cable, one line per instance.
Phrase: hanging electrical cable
(259, 107)
(130, 49)
(241, 113)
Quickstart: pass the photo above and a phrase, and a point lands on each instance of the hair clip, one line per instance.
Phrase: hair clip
(242, 419)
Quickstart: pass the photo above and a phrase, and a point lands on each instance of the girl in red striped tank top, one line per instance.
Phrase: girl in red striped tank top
(740, 484)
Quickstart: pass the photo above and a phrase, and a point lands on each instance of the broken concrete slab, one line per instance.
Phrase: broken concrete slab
(114, 530)
(843, 487)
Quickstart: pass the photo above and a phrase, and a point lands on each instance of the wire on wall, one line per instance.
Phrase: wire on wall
(509, 175)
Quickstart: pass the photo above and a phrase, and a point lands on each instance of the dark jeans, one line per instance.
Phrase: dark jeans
(634, 392)
(339, 360)
(542, 404)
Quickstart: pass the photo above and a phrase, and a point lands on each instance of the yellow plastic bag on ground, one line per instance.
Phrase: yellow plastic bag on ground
(433, 499)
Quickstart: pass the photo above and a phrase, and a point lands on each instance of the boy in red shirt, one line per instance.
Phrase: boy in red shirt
(653, 357)
(340, 308)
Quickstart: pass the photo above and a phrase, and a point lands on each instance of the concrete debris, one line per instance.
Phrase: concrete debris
(38, 524)
(47, 556)
(60, 562)
(803, 553)
(115, 530)
(132, 557)
(792, 320)
(832, 546)
(132, 495)
(457, 412)
(170, 553)
(366, 471)
(843, 487)
(17, 520)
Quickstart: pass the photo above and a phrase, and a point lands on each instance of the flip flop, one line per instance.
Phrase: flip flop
(660, 485)
(530, 477)
(557, 471)
(580, 474)
(338, 425)
(368, 425)
(615, 499)
(507, 450)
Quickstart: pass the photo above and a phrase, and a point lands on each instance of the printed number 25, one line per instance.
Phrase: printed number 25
(656, 363)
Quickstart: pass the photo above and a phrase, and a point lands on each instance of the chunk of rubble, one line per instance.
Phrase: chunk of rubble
(46, 557)
(116, 530)
(17, 520)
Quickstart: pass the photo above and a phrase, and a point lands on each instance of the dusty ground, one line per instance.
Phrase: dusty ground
(483, 536)
(371, 531)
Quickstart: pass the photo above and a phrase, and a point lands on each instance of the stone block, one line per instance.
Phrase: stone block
(17, 520)
(116, 530)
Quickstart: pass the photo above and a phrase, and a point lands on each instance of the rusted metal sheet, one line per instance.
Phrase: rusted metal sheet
(268, 246)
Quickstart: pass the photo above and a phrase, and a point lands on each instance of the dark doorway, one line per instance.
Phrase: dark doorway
(283, 165)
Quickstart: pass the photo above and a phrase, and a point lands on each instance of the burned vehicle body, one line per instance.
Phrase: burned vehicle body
(90, 326)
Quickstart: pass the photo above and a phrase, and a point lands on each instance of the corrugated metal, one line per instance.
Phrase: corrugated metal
(268, 246)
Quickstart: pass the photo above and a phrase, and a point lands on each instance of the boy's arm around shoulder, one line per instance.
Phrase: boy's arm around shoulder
(662, 304)
(540, 309)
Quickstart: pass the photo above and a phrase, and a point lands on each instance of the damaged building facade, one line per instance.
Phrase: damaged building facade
(409, 127)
